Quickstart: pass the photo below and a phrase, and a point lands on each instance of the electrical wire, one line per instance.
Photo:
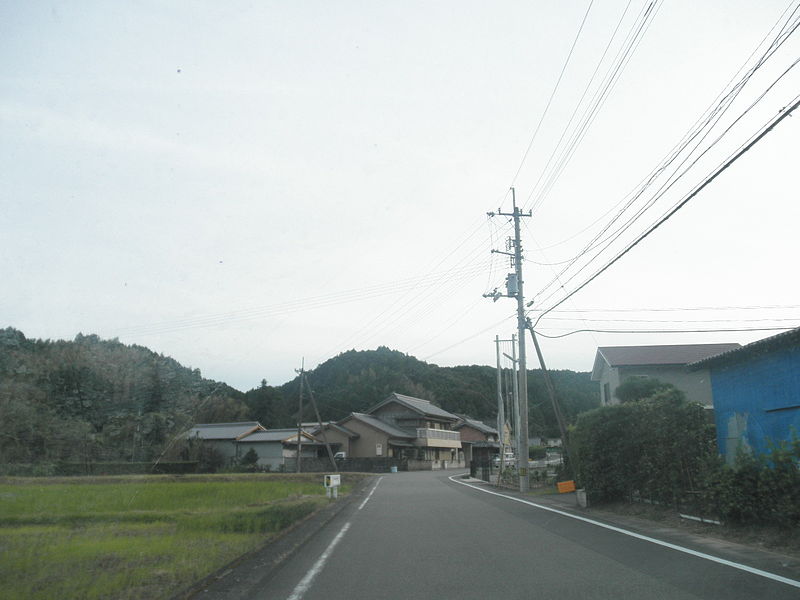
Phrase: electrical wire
(655, 331)
(712, 116)
(552, 94)
(742, 150)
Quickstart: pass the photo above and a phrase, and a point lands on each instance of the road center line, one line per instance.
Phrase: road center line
(638, 536)
(370, 494)
(305, 583)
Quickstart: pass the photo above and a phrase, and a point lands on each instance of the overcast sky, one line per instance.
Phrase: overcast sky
(241, 185)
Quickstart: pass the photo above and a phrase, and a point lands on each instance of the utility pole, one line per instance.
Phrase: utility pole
(300, 417)
(514, 289)
(501, 413)
(319, 421)
(513, 405)
(551, 391)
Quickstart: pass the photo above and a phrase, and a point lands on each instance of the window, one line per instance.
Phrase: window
(378, 449)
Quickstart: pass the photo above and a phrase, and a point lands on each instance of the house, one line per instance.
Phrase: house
(429, 427)
(277, 448)
(361, 435)
(546, 442)
(401, 427)
(756, 393)
(615, 364)
(222, 437)
(479, 441)
(338, 436)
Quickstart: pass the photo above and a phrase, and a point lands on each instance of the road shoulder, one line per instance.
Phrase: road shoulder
(240, 577)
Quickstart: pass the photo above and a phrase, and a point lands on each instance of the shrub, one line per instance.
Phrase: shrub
(756, 490)
(653, 448)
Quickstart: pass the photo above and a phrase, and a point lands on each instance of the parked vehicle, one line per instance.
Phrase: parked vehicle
(339, 455)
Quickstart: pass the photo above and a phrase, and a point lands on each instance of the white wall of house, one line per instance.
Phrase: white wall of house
(695, 384)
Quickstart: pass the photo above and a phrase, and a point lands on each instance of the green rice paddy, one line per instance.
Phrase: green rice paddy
(139, 537)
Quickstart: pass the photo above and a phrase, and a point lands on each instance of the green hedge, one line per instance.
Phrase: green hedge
(653, 448)
(756, 490)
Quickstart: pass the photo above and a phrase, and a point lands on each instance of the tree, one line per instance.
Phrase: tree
(639, 388)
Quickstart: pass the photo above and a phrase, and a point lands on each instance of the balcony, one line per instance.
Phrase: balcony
(438, 438)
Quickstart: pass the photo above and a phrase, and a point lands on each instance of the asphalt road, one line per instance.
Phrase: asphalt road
(420, 535)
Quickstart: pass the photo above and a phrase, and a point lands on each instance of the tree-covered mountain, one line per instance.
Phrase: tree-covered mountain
(356, 380)
(92, 400)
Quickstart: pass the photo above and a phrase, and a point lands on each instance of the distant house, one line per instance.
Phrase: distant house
(545, 441)
(223, 437)
(277, 448)
(756, 393)
(479, 442)
(361, 435)
(614, 364)
(274, 447)
(401, 427)
(429, 427)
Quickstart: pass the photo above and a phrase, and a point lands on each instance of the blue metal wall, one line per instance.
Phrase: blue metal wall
(757, 398)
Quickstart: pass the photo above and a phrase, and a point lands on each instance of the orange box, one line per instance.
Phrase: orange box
(565, 486)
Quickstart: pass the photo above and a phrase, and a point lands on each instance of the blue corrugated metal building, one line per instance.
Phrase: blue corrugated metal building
(756, 391)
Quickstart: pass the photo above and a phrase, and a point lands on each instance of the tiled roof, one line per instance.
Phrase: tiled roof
(478, 425)
(330, 425)
(223, 431)
(419, 405)
(775, 342)
(276, 435)
(379, 425)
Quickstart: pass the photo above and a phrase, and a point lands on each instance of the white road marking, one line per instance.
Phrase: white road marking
(305, 583)
(716, 559)
(370, 494)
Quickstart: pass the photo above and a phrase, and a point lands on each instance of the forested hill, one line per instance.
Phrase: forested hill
(355, 380)
(91, 399)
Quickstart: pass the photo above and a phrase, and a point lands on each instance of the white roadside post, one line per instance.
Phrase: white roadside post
(332, 483)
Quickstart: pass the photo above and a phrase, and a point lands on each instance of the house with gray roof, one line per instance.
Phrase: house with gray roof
(428, 427)
(223, 437)
(479, 442)
(667, 363)
(278, 448)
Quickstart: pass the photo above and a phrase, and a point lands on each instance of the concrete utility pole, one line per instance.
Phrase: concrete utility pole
(514, 289)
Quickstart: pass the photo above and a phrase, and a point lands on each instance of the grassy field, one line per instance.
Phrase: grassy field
(142, 536)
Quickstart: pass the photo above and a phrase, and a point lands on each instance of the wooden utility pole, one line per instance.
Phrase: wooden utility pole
(300, 419)
(321, 428)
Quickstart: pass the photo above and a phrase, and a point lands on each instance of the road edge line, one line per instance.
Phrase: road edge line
(703, 555)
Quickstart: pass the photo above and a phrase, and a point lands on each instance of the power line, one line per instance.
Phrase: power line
(712, 114)
(654, 331)
(744, 149)
(552, 94)
(679, 308)
(629, 46)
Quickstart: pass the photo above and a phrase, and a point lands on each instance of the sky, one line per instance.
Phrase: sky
(251, 186)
